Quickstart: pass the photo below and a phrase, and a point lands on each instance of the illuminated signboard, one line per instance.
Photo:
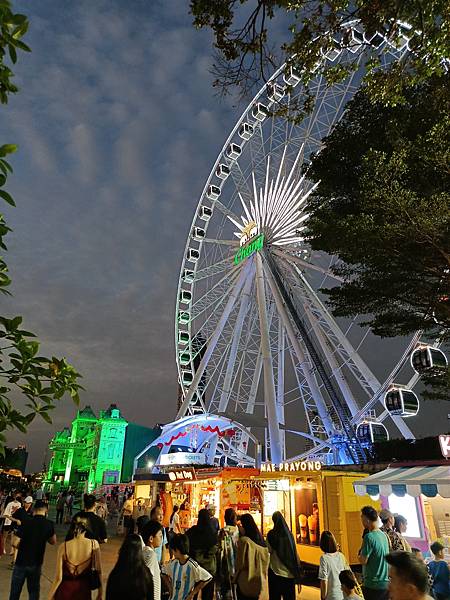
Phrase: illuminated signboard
(183, 458)
(245, 251)
(294, 466)
(182, 475)
(444, 442)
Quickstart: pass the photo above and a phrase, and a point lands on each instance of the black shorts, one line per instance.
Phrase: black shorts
(7, 528)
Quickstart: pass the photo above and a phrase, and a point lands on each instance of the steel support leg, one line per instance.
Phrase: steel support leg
(269, 383)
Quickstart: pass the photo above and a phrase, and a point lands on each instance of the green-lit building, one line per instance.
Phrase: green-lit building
(95, 450)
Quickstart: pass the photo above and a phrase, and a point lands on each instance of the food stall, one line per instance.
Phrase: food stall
(310, 498)
(421, 494)
(189, 487)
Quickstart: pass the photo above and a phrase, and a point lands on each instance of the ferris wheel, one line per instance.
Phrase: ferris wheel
(254, 338)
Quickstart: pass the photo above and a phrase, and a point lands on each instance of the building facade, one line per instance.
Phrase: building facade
(93, 450)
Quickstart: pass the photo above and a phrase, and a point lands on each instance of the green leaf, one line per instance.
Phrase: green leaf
(7, 149)
(12, 53)
(46, 417)
(7, 197)
(22, 46)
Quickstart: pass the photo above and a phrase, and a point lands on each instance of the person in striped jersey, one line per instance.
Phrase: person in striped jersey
(187, 576)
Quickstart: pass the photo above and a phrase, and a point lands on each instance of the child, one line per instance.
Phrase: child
(348, 584)
(152, 536)
(418, 554)
(187, 576)
(439, 572)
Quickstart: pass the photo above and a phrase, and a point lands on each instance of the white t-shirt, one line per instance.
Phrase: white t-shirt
(151, 561)
(184, 577)
(10, 509)
(175, 523)
(330, 566)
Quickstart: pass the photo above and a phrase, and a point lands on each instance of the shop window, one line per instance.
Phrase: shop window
(407, 507)
(307, 525)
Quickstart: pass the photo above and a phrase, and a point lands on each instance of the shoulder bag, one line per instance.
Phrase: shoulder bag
(94, 576)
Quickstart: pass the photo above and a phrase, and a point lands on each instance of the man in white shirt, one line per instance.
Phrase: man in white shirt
(9, 526)
(156, 514)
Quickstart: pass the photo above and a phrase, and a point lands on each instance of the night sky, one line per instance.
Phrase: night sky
(118, 126)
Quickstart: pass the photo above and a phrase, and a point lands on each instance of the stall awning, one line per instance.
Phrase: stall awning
(429, 481)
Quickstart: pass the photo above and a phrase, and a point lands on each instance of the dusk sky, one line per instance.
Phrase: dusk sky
(118, 126)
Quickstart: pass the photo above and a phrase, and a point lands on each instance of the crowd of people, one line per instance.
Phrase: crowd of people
(233, 562)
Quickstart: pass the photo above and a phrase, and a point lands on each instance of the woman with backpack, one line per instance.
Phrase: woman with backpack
(285, 569)
(203, 546)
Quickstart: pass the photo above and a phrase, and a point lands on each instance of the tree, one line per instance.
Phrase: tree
(248, 44)
(382, 206)
(23, 372)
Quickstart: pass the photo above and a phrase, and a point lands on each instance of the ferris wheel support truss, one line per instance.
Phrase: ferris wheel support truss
(351, 359)
(276, 453)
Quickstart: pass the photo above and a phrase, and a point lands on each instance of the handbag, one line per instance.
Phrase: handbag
(94, 576)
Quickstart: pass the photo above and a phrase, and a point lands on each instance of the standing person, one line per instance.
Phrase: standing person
(97, 526)
(440, 572)
(388, 520)
(203, 544)
(252, 561)
(8, 525)
(348, 585)
(156, 514)
(75, 559)
(130, 578)
(127, 513)
(332, 562)
(408, 578)
(214, 521)
(34, 534)
(187, 576)
(400, 526)
(141, 522)
(174, 526)
(69, 505)
(21, 515)
(101, 508)
(284, 568)
(418, 554)
(174, 522)
(372, 556)
(60, 503)
(228, 538)
(152, 534)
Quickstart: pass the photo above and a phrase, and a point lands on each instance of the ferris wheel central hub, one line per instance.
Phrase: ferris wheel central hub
(276, 210)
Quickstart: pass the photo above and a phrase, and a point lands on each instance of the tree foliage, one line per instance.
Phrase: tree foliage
(383, 208)
(249, 43)
(41, 381)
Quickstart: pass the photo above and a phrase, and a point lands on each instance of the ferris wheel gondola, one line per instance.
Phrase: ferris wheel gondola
(426, 359)
(401, 402)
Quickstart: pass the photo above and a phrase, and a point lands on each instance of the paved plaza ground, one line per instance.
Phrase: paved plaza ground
(109, 554)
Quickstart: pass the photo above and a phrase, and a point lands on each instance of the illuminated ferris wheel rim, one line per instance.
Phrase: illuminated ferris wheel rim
(263, 196)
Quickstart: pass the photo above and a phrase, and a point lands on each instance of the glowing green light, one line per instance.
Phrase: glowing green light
(244, 252)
